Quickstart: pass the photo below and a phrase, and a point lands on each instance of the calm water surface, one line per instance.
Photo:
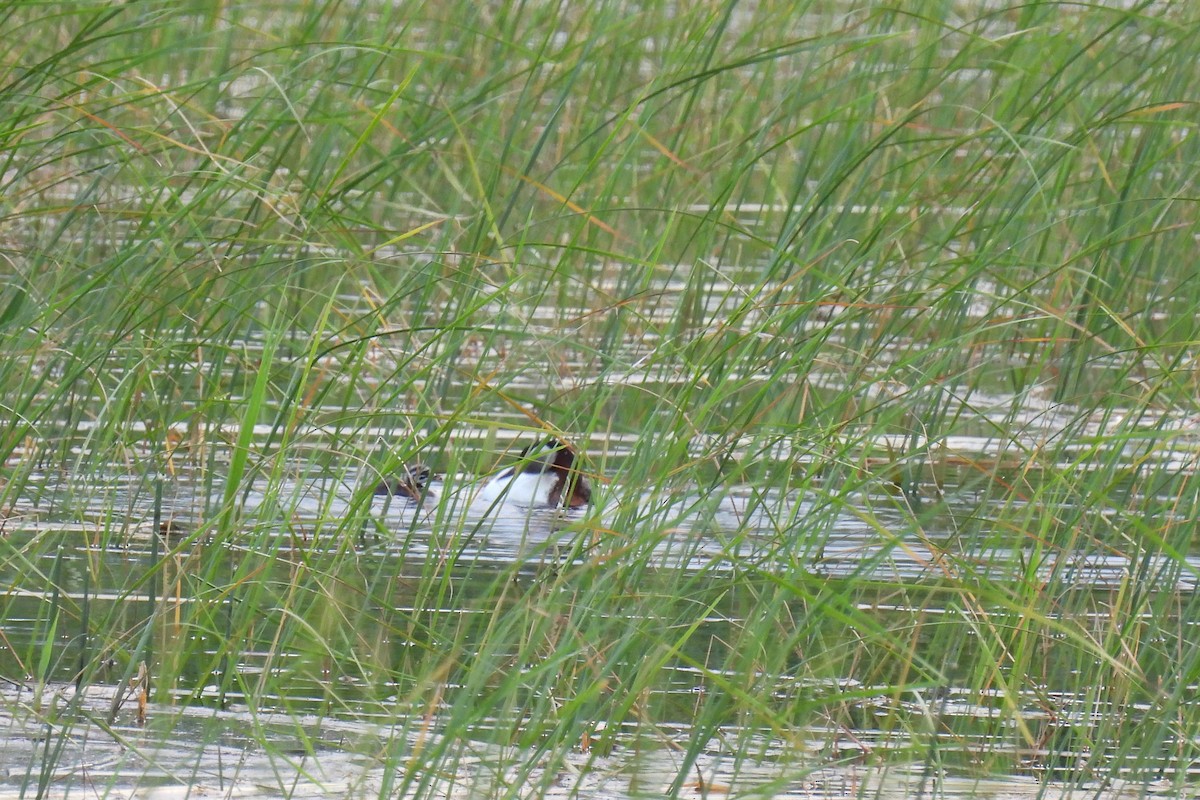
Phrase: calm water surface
(96, 542)
(89, 543)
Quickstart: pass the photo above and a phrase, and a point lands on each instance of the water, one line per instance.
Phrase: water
(194, 750)
(880, 576)
(95, 545)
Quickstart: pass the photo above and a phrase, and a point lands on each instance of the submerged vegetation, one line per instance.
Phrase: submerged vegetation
(912, 294)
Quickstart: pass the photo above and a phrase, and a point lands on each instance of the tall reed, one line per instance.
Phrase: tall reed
(915, 290)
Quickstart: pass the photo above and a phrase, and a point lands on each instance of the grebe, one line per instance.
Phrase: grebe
(545, 475)
(412, 482)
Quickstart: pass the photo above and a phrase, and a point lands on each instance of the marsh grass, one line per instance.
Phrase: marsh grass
(810, 252)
